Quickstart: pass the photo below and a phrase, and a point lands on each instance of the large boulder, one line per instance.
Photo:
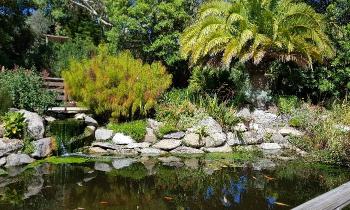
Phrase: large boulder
(87, 119)
(102, 134)
(42, 148)
(150, 136)
(264, 117)
(233, 140)
(35, 126)
(193, 140)
(215, 139)
(17, 160)
(8, 146)
(122, 139)
(223, 149)
(167, 144)
(252, 137)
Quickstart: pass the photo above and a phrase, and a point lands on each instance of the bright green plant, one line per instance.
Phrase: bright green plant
(26, 89)
(166, 129)
(287, 104)
(28, 147)
(251, 30)
(5, 101)
(117, 86)
(14, 124)
(136, 129)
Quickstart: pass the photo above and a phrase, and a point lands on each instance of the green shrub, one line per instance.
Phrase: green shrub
(166, 129)
(295, 122)
(286, 104)
(28, 147)
(26, 90)
(118, 86)
(14, 125)
(5, 101)
(136, 129)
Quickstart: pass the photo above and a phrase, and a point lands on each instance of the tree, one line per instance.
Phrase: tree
(256, 32)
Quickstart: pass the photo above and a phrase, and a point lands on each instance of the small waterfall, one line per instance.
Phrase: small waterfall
(63, 149)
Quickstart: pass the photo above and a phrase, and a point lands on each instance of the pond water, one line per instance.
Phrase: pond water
(168, 183)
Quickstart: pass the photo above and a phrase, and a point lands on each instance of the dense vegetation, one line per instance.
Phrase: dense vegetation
(220, 55)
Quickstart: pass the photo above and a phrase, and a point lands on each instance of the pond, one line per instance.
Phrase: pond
(167, 183)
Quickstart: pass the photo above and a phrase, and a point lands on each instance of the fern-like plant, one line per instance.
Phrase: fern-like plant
(14, 124)
(256, 30)
(117, 86)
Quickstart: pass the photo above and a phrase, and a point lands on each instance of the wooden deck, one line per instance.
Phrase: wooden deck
(68, 110)
(337, 198)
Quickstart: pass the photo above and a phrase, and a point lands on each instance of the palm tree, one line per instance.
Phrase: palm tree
(255, 32)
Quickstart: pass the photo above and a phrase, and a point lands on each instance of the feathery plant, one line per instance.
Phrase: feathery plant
(118, 86)
(256, 30)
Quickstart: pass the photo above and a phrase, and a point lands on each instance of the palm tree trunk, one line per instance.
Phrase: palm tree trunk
(260, 85)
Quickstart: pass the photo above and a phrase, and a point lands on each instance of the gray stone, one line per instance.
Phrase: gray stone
(211, 125)
(193, 140)
(225, 148)
(2, 161)
(106, 145)
(192, 163)
(102, 134)
(186, 150)
(138, 145)
(289, 131)
(263, 164)
(102, 167)
(215, 139)
(263, 117)
(270, 146)
(176, 135)
(91, 128)
(240, 127)
(151, 151)
(122, 139)
(42, 148)
(49, 119)
(252, 137)
(150, 136)
(244, 113)
(278, 138)
(17, 160)
(8, 146)
(96, 150)
(153, 124)
(35, 123)
(125, 152)
(167, 144)
(233, 140)
(87, 119)
(123, 162)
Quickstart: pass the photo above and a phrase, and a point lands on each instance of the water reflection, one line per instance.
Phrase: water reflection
(149, 184)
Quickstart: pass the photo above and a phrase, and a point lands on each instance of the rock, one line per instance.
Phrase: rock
(122, 139)
(150, 136)
(278, 138)
(193, 140)
(122, 163)
(233, 140)
(2, 161)
(42, 148)
(91, 128)
(8, 146)
(270, 146)
(17, 160)
(252, 137)
(186, 150)
(215, 139)
(35, 126)
(289, 131)
(153, 124)
(96, 150)
(2, 130)
(240, 127)
(263, 164)
(138, 145)
(244, 113)
(87, 119)
(167, 144)
(192, 163)
(176, 135)
(263, 117)
(106, 145)
(171, 161)
(224, 148)
(125, 152)
(102, 167)
(49, 119)
(151, 151)
(342, 128)
(102, 134)
(211, 125)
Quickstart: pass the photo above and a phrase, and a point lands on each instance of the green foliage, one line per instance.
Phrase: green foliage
(77, 49)
(251, 30)
(28, 147)
(150, 29)
(5, 101)
(295, 122)
(287, 104)
(136, 129)
(117, 86)
(325, 133)
(26, 90)
(166, 129)
(14, 124)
